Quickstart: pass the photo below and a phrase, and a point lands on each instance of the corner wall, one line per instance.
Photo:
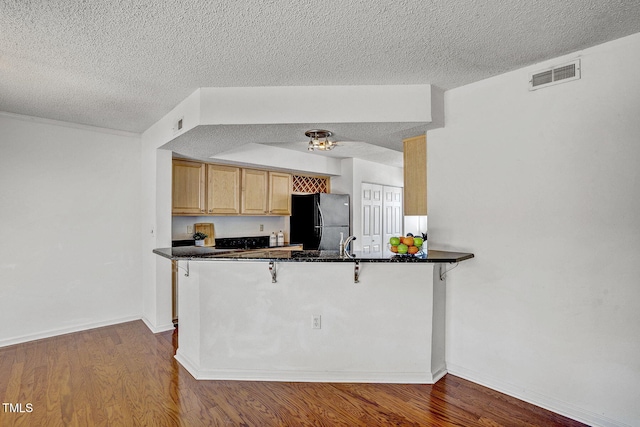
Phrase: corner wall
(155, 220)
(544, 188)
(69, 221)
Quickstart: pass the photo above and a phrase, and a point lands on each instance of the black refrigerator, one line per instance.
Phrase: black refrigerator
(318, 219)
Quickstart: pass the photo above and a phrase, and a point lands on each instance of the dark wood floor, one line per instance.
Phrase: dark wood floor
(124, 375)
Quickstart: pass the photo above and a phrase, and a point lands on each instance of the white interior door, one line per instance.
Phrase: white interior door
(391, 215)
(372, 238)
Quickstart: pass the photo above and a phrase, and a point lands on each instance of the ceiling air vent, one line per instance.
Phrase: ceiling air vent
(558, 74)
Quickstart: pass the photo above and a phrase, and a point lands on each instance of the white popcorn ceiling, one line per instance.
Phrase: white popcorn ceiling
(123, 64)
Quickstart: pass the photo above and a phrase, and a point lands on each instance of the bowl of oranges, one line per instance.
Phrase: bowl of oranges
(408, 245)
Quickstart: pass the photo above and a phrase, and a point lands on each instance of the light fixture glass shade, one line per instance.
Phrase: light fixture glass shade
(319, 140)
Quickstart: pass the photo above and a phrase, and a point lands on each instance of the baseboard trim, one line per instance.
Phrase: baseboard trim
(64, 331)
(303, 376)
(157, 329)
(535, 398)
(186, 363)
(437, 376)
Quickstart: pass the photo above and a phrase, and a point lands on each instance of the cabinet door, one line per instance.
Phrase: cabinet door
(254, 192)
(223, 189)
(188, 187)
(280, 193)
(415, 175)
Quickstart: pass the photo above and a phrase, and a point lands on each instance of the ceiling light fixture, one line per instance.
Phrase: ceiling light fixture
(319, 140)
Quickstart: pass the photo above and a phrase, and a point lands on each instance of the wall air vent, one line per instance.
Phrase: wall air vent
(558, 74)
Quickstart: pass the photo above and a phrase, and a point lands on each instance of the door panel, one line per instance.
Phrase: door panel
(366, 220)
(335, 209)
(371, 197)
(376, 218)
(393, 218)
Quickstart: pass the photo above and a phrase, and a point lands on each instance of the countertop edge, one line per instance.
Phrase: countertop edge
(437, 257)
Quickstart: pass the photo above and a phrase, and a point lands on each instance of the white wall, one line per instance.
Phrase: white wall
(331, 104)
(156, 233)
(415, 224)
(544, 188)
(69, 227)
(240, 325)
(264, 156)
(155, 221)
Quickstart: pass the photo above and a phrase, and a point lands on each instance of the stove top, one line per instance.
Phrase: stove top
(243, 242)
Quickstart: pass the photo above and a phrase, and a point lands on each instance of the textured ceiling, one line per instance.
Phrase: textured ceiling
(123, 64)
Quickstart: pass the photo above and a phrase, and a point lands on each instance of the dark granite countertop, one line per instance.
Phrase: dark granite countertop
(268, 254)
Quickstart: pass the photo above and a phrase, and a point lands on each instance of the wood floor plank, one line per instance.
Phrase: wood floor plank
(28, 373)
(126, 375)
(7, 359)
(386, 399)
(14, 382)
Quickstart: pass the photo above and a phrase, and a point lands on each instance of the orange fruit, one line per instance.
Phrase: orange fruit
(394, 249)
(408, 241)
(413, 250)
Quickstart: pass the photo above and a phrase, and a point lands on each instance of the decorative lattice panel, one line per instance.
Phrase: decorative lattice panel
(310, 184)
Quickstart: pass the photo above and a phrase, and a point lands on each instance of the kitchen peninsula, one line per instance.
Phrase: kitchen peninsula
(311, 315)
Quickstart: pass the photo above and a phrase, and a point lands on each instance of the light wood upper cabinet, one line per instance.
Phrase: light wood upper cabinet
(415, 175)
(223, 189)
(254, 198)
(280, 188)
(209, 189)
(188, 187)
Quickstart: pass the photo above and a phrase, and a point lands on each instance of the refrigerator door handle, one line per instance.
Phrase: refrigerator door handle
(321, 223)
(320, 215)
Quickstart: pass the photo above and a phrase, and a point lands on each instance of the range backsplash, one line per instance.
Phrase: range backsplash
(254, 242)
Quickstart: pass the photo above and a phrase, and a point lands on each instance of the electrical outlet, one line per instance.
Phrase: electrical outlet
(261, 227)
(316, 321)
(189, 229)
